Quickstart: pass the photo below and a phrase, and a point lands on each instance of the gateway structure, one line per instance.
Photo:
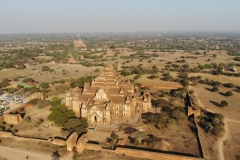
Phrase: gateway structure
(108, 97)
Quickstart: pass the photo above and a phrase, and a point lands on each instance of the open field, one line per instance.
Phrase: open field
(30, 129)
(164, 57)
(60, 71)
(232, 147)
(20, 149)
(157, 83)
(211, 100)
(221, 78)
(179, 138)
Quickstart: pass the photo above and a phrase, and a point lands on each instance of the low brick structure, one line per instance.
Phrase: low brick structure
(91, 146)
(196, 112)
(81, 143)
(12, 118)
(152, 155)
(38, 95)
(59, 142)
(6, 134)
(72, 141)
(121, 142)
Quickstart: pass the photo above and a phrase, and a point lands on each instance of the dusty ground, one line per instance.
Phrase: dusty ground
(228, 145)
(180, 137)
(45, 130)
(211, 100)
(157, 83)
(221, 78)
(231, 145)
(21, 150)
(61, 71)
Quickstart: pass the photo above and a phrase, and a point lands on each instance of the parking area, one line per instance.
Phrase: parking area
(8, 102)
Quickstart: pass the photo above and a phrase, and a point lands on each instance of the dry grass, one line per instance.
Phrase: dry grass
(232, 147)
(61, 71)
(45, 130)
(208, 99)
(220, 78)
(157, 83)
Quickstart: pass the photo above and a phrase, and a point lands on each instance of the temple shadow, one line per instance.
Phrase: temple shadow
(215, 103)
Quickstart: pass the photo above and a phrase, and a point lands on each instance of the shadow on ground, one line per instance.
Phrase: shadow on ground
(215, 103)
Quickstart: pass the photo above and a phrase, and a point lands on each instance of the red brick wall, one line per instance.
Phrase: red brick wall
(95, 147)
(151, 155)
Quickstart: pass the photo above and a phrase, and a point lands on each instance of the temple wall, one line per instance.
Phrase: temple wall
(151, 155)
(71, 141)
(59, 142)
(12, 118)
(90, 146)
(6, 134)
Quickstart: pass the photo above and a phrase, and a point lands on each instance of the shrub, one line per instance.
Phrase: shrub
(163, 94)
(28, 80)
(114, 136)
(152, 77)
(229, 85)
(45, 68)
(129, 130)
(224, 103)
(215, 89)
(229, 93)
(191, 91)
(27, 119)
(42, 104)
(44, 85)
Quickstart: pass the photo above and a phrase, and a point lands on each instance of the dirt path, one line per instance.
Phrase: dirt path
(19, 154)
(220, 143)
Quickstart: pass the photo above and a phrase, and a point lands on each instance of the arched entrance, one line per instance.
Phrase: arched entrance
(95, 118)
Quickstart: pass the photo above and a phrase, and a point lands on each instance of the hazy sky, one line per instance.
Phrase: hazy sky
(70, 16)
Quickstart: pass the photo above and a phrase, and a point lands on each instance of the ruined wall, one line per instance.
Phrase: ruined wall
(152, 155)
(12, 118)
(6, 134)
(81, 143)
(196, 112)
(95, 147)
(72, 141)
(38, 95)
(59, 142)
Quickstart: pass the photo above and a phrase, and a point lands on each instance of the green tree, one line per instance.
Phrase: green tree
(69, 113)
(55, 101)
(62, 108)
(44, 85)
(72, 122)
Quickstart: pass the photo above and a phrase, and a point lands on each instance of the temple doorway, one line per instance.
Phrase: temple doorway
(95, 118)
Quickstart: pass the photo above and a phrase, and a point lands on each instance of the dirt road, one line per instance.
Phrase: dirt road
(19, 154)
(221, 141)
